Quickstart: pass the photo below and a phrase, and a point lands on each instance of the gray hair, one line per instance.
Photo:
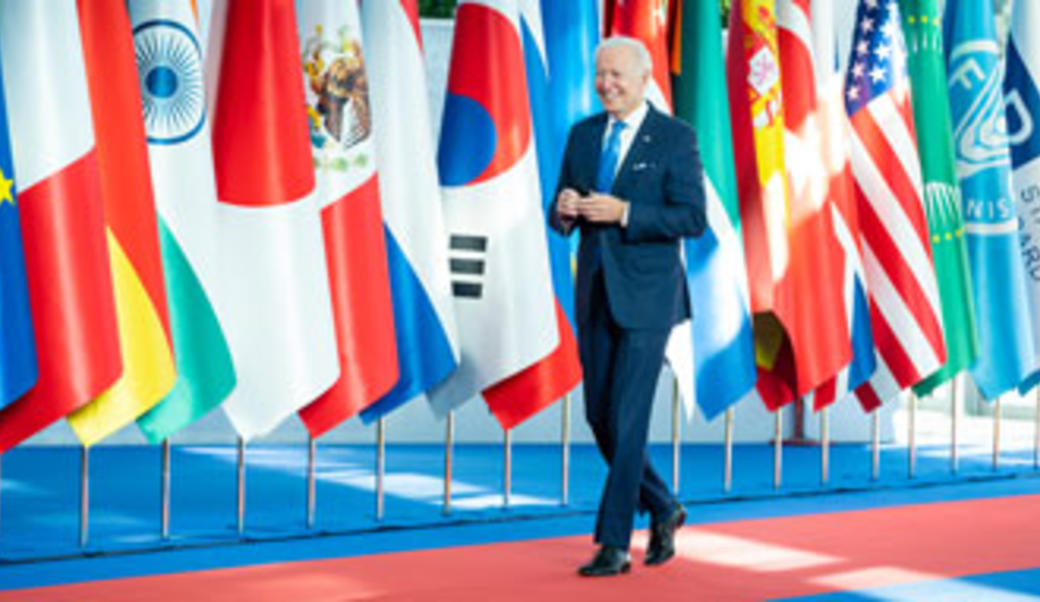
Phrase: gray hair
(633, 44)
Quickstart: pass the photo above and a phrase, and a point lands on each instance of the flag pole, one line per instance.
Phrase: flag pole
(727, 470)
(565, 452)
(241, 485)
(875, 445)
(996, 434)
(955, 392)
(825, 447)
(165, 512)
(449, 435)
(676, 445)
(380, 467)
(507, 466)
(84, 495)
(912, 442)
(778, 448)
(312, 452)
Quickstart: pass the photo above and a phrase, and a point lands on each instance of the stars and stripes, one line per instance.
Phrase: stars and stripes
(904, 298)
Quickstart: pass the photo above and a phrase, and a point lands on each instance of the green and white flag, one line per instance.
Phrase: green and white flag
(169, 60)
(927, 67)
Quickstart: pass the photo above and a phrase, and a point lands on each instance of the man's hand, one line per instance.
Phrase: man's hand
(602, 208)
(568, 204)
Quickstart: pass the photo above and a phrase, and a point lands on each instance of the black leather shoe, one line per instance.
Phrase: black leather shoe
(662, 537)
(607, 561)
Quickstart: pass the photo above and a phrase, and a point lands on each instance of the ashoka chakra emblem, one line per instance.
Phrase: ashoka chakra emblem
(169, 64)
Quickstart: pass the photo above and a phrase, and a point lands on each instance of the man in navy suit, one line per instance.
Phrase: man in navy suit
(632, 182)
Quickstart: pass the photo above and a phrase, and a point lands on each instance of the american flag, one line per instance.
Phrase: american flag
(904, 296)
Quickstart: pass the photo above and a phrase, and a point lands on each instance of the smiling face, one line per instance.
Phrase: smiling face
(620, 80)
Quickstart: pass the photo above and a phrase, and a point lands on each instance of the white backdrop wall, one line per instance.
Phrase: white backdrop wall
(414, 423)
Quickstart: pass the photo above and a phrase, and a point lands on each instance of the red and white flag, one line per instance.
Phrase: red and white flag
(339, 118)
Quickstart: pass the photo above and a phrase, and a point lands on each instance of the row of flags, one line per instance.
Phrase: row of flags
(256, 216)
(884, 236)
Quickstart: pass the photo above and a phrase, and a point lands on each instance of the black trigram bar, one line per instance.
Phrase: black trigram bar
(460, 242)
(470, 290)
(468, 265)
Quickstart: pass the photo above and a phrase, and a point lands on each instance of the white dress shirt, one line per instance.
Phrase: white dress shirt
(632, 123)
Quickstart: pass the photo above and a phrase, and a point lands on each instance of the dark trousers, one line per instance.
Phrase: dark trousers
(621, 368)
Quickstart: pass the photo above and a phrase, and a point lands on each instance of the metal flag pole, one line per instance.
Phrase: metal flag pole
(912, 441)
(380, 468)
(727, 470)
(312, 452)
(565, 452)
(1036, 436)
(955, 394)
(825, 447)
(84, 496)
(165, 485)
(676, 446)
(996, 434)
(875, 443)
(241, 485)
(507, 466)
(778, 448)
(449, 436)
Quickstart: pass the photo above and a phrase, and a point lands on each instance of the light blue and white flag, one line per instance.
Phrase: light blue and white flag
(974, 75)
(416, 242)
(1022, 100)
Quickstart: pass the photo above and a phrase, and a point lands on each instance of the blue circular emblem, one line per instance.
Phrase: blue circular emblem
(169, 64)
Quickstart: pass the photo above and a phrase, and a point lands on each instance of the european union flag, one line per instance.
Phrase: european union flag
(17, 348)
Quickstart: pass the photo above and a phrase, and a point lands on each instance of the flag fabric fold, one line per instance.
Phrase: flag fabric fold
(271, 248)
(17, 346)
(130, 218)
(340, 114)
(905, 311)
(62, 215)
(488, 172)
(834, 132)
(170, 71)
(975, 79)
(524, 394)
(723, 348)
(647, 21)
(942, 193)
(808, 295)
(424, 317)
(1022, 97)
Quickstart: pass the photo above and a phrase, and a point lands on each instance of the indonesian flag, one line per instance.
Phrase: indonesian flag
(62, 215)
(130, 217)
(496, 226)
(339, 118)
(273, 290)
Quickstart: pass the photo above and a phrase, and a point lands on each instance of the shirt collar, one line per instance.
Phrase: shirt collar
(634, 119)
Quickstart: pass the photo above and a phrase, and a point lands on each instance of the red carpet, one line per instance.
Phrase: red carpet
(743, 560)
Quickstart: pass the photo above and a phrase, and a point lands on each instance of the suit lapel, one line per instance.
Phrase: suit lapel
(641, 144)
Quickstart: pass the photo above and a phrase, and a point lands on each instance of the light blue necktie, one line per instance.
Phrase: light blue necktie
(608, 159)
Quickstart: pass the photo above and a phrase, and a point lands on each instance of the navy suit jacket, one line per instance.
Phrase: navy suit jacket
(662, 179)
